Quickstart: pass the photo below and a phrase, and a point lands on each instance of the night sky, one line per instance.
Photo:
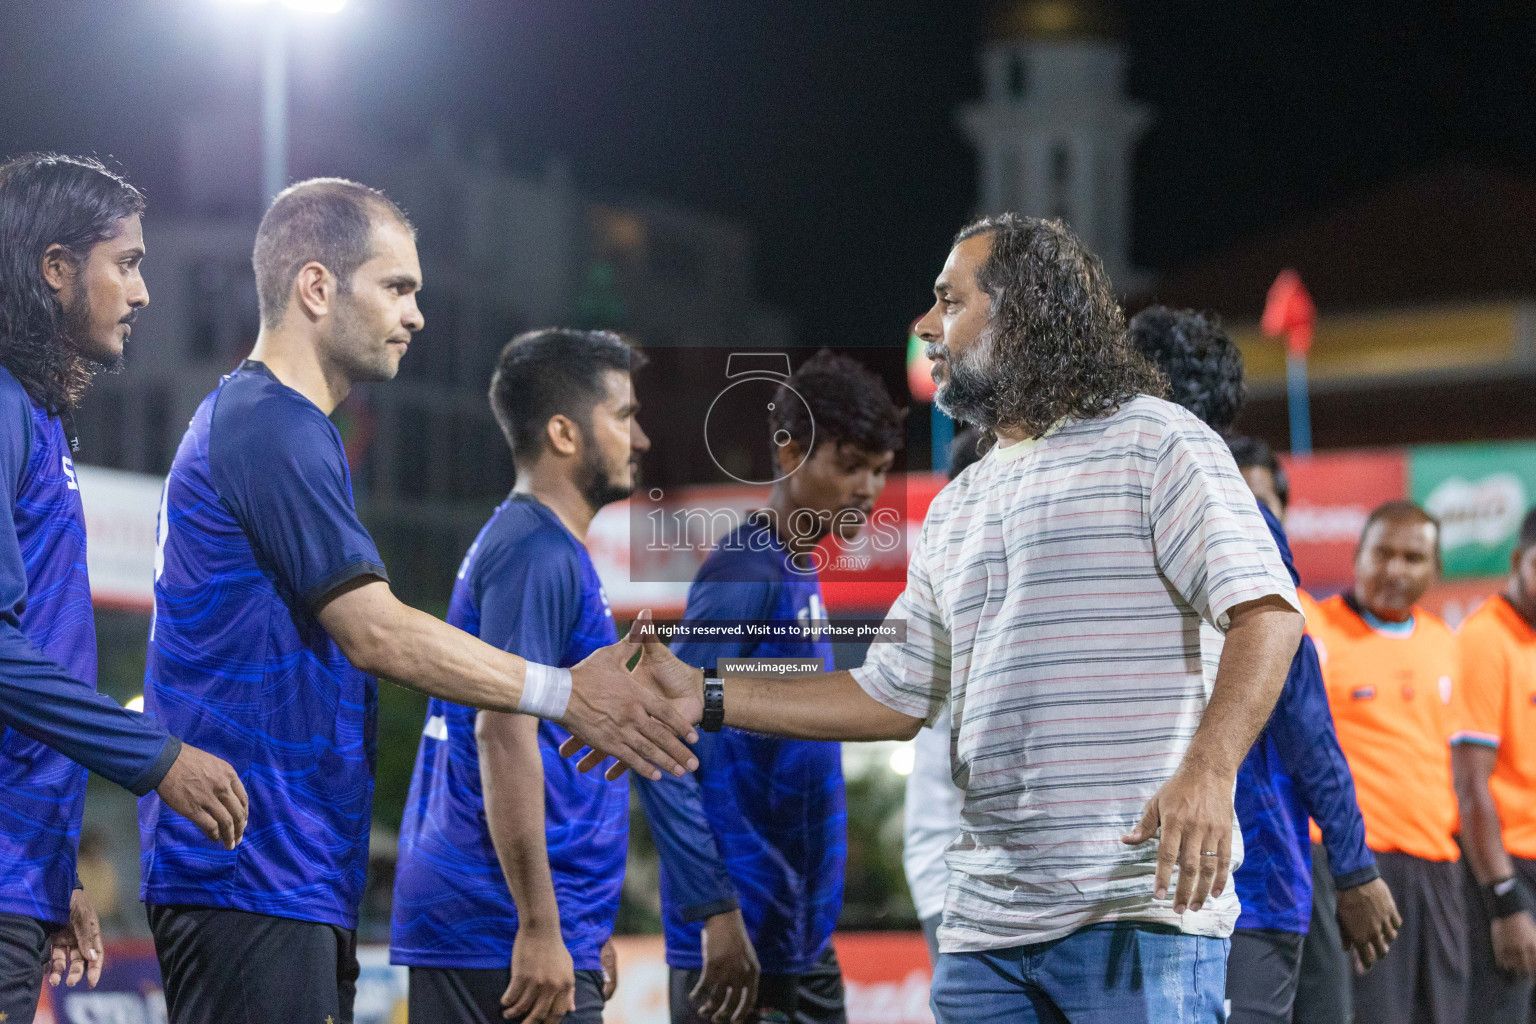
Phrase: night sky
(826, 126)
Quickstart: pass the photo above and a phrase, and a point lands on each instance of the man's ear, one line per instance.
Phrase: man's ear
(314, 290)
(563, 435)
(58, 267)
(789, 456)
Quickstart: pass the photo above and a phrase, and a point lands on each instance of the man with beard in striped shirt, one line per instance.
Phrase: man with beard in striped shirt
(1054, 601)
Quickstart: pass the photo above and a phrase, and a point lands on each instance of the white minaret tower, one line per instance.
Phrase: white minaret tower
(1055, 130)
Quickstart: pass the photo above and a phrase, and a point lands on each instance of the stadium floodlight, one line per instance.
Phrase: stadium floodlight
(307, 6)
(274, 88)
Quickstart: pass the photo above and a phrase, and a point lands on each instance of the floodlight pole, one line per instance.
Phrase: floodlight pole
(274, 107)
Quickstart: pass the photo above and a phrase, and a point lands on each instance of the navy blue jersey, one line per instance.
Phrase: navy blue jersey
(763, 822)
(257, 525)
(1295, 770)
(527, 586)
(49, 707)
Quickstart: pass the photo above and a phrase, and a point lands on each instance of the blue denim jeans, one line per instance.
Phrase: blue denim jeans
(1124, 973)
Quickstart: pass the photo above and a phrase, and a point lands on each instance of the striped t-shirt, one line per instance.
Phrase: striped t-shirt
(1055, 597)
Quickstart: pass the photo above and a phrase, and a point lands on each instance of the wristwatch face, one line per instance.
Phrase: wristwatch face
(738, 427)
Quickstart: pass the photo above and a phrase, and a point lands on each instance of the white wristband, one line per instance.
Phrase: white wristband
(546, 692)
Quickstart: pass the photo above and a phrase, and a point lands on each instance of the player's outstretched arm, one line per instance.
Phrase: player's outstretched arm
(825, 706)
(542, 986)
(604, 704)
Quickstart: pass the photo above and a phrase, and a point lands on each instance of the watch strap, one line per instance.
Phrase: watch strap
(714, 703)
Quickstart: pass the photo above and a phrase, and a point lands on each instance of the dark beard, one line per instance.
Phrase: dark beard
(970, 393)
(73, 368)
(597, 487)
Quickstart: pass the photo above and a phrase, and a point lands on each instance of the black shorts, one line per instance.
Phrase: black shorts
(1497, 997)
(1323, 990)
(23, 954)
(1423, 977)
(226, 966)
(815, 997)
(468, 995)
(1262, 970)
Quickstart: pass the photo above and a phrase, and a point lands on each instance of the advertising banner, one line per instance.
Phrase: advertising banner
(1480, 493)
(886, 974)
(1331, 494)
(121, 510)
(647, 550)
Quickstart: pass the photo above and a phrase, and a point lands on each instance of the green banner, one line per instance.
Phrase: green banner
(1480, 493)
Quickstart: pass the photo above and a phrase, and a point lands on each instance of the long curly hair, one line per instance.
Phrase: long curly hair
(1204, 368)
(47, 199)
(1057, 338)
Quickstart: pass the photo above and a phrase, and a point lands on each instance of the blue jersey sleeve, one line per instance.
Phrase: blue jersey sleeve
(1309, 751)
(529, 596)
(38, 698)
(278, 465)
(698, 882)
(1302, 726)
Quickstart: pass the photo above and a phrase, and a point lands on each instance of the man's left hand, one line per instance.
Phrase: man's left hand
(76, 948)
(1194, 811)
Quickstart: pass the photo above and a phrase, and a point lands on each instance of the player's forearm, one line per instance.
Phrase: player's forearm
(1260, 644)
(829, 706)
(512, 782)
(384, 637)
(1482, 834)
(40, 700)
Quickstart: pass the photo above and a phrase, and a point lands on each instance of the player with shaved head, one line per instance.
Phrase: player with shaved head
(274, 615)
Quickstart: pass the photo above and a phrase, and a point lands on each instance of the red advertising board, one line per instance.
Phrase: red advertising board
(873, 577)
(1331, 495)
(886, 976)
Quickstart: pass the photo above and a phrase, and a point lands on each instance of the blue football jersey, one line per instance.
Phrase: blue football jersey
(762, 824)
(44, 791)
(529, 587)
(1294, 770)
(257, 524)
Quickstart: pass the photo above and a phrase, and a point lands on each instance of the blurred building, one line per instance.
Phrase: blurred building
(1054, 131)
(1426, 297)
(500, 253)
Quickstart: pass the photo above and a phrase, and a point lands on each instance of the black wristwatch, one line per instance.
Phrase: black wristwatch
(1505, 898)
(714, 703)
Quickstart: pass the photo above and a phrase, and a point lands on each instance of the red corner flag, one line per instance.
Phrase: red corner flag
(1289, 311)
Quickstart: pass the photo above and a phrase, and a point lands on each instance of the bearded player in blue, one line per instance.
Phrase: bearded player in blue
(1296, 768)
(511, 860)
(753, 846)
(71, 244)
(274, 615)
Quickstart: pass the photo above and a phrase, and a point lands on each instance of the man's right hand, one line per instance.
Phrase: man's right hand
(206, 791)
(543, 984)
(1514, 943)
(727, 988)
(1368, 920)
(617, 715)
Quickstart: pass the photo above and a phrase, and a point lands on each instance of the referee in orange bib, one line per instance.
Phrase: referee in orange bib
(1496, 781)
(1391, 668)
